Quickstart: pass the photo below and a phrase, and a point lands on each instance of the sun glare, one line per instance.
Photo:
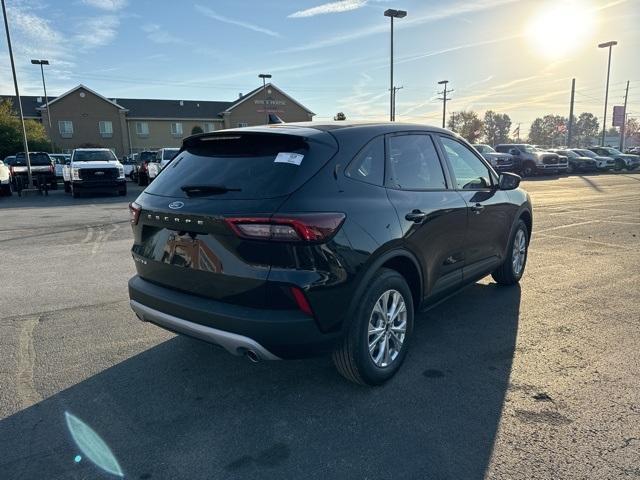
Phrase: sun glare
(558, 30)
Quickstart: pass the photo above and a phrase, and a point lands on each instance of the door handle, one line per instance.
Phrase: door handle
(477, 208)
(415, 216)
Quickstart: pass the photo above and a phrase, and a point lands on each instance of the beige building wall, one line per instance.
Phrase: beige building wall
(160, 132)
(252, 111)
(84, 109)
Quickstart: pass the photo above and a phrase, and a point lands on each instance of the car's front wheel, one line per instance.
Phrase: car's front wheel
(528, 169)
(377, 340)
(512, 269)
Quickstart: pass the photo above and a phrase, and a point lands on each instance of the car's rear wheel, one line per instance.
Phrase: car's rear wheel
(6, 190)
(67, 187)
(377, 340)
(512, 269)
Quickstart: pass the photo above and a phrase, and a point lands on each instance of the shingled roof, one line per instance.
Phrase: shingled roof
(142, 108)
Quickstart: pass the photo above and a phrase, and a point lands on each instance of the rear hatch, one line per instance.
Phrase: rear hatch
(184, 239)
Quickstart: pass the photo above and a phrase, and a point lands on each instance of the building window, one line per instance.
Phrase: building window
(242, 124)
(106, 128)
(65, 127)
(176, 129)
(209, 127)
(142, 129)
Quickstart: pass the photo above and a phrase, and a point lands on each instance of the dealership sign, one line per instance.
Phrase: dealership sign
(618, 116)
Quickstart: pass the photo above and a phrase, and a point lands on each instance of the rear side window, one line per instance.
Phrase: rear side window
(368, 166)
(414, 163)
(245, 166)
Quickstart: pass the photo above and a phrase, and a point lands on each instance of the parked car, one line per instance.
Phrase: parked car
(622, 160)
(129, 164)
(163, 157)
(59, 160)
(603, 163)
(501, 162)
(5, 179)
(534, 160)
(577, 163)
(94, 170)
(142, 166)
(307, 239)
(42, 170)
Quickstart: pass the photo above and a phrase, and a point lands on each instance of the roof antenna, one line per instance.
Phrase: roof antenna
(273, 119)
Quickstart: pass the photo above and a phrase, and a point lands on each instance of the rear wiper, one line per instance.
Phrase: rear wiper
(195, 190)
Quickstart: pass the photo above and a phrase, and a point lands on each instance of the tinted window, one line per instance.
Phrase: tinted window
(368, 166)
(148, 156)
(253, 165)
(36, 158)
(470, 172)
(169, 153)
(414, 163)
(93, 156)
(504, 148)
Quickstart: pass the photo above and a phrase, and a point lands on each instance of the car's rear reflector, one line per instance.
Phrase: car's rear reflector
(301, 301)
(306, 227)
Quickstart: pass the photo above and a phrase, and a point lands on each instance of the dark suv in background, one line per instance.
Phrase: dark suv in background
(300, 239)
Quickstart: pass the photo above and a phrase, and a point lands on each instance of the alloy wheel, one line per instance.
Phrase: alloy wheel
(519, 253)
(387, 328)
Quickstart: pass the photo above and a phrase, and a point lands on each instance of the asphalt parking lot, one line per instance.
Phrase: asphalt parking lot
(538, 381)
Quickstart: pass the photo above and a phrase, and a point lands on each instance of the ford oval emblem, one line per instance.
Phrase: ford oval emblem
(176, 205)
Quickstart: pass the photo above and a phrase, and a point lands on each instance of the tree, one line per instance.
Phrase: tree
(340, 116)
(586, 129)
(196, 129)
(550, 130)
(467, 124)
(632, 129)
(11, 132)
(496, 127)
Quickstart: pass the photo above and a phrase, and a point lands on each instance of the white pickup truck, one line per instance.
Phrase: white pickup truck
(164, 156)
(94, 170)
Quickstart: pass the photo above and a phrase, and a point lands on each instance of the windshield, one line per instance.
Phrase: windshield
(528, 148)
(93, 156)
(567, 153)
(169, 153)
(612, 151)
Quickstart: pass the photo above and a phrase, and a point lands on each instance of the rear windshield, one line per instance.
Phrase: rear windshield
(94, 156)
(169, 153)
(36, 158)
(245, 166)
(148, 156)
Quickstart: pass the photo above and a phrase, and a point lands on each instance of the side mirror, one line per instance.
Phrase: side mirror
(509, 181)
(514, 151)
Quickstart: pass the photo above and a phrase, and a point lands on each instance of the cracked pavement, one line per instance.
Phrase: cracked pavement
(538, 381)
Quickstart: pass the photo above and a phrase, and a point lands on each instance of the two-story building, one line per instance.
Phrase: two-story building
(83, 117)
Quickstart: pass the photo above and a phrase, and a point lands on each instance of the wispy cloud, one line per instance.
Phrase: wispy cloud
(249, 26)
(108, 5)
(157, 34)
(447, 11)
(331, 7)
(97, 32)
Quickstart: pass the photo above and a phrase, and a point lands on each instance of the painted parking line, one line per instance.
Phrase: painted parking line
(595, 242)
(566, 226)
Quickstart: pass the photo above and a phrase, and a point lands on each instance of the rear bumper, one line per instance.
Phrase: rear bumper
(271, 334)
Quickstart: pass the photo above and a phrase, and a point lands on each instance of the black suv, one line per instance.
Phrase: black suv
(298, 239)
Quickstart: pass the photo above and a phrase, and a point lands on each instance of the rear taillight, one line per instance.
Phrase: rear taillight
(301, 301)
(52, 169)
(11, 170)
(134, 212)
(307, 227)
(143, 167)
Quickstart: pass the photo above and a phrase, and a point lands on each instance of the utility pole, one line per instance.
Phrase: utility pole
(391, 13)
(570, 129)
(517, 134)
(393, 103)
(444, 99)
(624, 118)
(15, 84)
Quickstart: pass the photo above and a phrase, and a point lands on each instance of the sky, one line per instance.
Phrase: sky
(510, 56)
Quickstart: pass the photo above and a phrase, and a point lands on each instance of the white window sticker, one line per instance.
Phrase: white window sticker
(286, 157)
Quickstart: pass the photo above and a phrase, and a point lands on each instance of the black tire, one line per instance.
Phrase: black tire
(75, 193)
(351, 357)
(54, 185)
(6, 190)
(142, 180)
(67, 187)
(506, 274)
(123, 191)
(528, 169)
(619, 165)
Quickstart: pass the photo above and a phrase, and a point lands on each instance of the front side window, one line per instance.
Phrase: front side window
(470, 172)
(368, 165)
(65, 127)
(142, 129)
(413, 163)
(176, 129)
(106, 128)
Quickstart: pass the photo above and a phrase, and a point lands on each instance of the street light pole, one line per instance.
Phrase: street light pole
(264, 77)
(391, 13)
(610, 46)
(15, 84)
(46, 99)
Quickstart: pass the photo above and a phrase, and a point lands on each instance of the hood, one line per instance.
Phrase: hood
(498, 155)
(105, 164)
